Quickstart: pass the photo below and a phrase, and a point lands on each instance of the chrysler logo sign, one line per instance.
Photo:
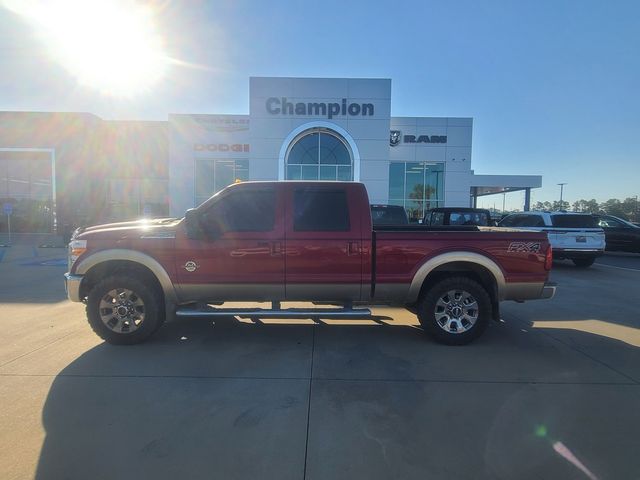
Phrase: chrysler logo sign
(222, 147)
(396, 135)
(282, 106)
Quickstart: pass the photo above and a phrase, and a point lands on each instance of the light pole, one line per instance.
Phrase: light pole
(504, 196)
(561, 190)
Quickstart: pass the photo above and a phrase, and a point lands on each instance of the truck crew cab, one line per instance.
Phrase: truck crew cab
(299, 241)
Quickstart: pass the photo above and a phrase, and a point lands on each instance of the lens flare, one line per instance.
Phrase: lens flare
(110, 45)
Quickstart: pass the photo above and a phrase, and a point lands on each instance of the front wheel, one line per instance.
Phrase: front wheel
(455, 311)
(583, 262)
(122, 310)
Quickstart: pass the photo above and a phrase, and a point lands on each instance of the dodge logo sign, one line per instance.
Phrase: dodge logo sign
(394, 138)
(222, 147)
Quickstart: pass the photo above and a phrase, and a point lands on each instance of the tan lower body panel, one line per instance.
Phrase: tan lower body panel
(261, 292)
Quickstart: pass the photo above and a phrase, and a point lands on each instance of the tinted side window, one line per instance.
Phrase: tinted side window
(508, 221)
(531, 221)
(249, 211)
(437, 218)
(522, 221)
(320, 211)
(389, 215)
(610, 222)
(456, 218)
(573, 221)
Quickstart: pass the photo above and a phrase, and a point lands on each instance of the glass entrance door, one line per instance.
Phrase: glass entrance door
(212, 175)
(26, 182)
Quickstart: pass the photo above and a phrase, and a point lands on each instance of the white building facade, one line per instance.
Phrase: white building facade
(324, 129)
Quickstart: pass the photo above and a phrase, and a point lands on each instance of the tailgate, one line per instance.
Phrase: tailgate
(576, 238)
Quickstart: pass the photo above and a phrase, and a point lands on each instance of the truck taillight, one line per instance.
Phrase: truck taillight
(548, 260)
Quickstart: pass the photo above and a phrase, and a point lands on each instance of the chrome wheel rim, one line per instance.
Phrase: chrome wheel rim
(456, 311)
(122, 310)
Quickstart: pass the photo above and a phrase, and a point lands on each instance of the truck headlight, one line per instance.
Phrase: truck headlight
(76, 248)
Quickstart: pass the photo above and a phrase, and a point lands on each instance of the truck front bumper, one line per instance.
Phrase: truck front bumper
(72, 286)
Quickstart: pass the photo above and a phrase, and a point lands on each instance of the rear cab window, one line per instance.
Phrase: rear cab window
(320, 210)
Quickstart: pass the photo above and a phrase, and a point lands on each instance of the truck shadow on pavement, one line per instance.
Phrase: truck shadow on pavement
(239, 400)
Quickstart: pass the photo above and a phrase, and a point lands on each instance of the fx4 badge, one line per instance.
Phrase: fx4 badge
(524, 247)
(191, 266)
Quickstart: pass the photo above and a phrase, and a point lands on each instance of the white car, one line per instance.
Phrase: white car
(574, 236)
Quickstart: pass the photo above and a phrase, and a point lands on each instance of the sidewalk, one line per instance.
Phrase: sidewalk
(25, 253)
(28, 246)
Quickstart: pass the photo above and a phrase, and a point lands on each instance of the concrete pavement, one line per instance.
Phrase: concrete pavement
(551, 392)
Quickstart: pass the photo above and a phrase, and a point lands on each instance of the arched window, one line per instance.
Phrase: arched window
(319, 154)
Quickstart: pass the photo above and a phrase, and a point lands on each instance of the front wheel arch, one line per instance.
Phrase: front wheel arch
(118, 267)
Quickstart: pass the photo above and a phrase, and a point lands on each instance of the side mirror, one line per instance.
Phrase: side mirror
(192, 224)
(213, 231)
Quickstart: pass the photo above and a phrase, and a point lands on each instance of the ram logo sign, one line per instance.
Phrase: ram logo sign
(524, 247)
(394, 137)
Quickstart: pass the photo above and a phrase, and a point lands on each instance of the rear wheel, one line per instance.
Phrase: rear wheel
(455, 311)
(122, 310)
(583, 262)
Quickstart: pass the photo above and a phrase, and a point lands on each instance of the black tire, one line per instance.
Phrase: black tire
(145, 312)
(429, 311)
(583, 262)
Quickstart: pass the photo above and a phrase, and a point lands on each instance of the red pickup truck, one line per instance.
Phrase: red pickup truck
(299, 241)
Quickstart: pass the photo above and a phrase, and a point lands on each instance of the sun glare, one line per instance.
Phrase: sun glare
(109, 45)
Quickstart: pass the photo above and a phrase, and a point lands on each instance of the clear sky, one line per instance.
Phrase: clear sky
(553, 87)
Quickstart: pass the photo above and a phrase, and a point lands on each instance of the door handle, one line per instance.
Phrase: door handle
(275, 248)
(354, 248)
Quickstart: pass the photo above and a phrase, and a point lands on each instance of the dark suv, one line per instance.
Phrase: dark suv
(458, 216)
(621, 235)
(389, 215)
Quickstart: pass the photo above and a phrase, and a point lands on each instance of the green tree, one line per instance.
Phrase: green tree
(615, 207)
(541, 206)
(588, 206)
(419, 194)
(630, 207)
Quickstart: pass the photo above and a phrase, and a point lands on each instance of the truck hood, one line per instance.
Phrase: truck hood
(137, 228)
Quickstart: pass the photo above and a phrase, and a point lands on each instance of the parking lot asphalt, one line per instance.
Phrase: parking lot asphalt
(620, 260)
(552, 391)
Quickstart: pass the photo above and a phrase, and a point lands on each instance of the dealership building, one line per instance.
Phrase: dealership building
(64, 169)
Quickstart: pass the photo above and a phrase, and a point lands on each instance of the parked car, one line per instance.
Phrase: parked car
(458, 216)
(620, 235)
(389, 215)
(573, 236)
(299, 241)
